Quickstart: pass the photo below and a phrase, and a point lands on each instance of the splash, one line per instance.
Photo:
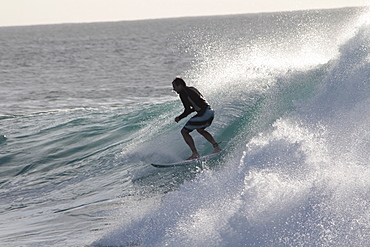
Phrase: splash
(296, 172)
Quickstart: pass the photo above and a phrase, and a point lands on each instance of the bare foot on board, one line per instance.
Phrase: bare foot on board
(193, 156)
(216, 149)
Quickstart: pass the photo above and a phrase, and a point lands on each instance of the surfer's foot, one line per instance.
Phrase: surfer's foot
(193, 156)
(217, 148)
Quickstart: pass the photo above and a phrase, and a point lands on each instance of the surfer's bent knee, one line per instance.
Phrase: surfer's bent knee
(184, 131)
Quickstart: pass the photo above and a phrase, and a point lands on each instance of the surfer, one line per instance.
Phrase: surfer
(193, 101)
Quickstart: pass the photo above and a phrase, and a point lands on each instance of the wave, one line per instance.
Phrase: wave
(296, 171)
(291, 110)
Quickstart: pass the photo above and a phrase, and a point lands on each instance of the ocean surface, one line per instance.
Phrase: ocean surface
(86, 108)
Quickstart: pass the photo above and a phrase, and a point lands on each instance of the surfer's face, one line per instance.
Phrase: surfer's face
(177, 88)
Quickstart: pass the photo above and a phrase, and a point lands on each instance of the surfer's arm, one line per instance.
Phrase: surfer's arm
(187, 108)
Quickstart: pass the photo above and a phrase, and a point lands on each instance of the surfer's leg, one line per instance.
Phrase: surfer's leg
(189, 140)
(210, 138)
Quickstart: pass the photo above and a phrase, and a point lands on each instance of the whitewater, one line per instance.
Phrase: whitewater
(85, 109)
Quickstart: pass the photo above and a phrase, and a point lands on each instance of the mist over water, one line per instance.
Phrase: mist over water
(296, 123)
(291, 95)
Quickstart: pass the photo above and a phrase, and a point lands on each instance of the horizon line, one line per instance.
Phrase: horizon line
(183, 17)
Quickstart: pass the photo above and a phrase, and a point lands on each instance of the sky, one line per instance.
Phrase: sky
(34, 12)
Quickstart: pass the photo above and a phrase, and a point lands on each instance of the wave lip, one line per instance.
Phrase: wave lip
(291, 101)
(300, 178)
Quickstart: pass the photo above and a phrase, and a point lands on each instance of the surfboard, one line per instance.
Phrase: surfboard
(187, 162)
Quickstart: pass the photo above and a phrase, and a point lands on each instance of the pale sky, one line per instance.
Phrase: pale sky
(32, 12)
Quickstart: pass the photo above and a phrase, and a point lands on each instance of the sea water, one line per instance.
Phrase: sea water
(85, 109)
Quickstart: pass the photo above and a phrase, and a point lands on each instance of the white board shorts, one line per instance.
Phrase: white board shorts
(200, 122)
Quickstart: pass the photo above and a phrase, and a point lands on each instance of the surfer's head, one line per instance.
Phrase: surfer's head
(178, 84)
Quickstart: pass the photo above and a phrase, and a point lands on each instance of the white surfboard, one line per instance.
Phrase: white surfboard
(187, 162)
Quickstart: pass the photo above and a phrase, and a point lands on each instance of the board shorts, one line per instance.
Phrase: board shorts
(200, 122)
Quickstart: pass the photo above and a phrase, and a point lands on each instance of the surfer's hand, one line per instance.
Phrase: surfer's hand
(177, 119)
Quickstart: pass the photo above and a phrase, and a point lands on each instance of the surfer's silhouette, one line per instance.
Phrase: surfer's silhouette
(194, 101)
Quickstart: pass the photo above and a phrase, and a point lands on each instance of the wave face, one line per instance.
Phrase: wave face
(293, 110)
(291, 92)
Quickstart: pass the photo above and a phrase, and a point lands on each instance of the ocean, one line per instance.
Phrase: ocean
(86, 108)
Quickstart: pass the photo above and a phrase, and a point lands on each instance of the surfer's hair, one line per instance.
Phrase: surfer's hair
(179, 81)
